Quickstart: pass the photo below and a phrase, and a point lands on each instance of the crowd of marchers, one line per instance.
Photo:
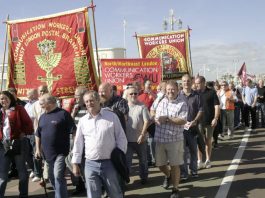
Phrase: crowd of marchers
(173, 128)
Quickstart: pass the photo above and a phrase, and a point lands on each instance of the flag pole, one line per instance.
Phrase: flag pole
(4, 56)
(191, 72)
(92, 6)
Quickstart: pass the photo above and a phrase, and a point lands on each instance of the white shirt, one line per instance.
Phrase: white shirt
(99, 135)
(6, 127)
(222, 98)
(29, 108)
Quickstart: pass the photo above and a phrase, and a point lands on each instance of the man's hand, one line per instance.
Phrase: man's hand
(161, 120)
(214, 122)
(76, 170)
(141, 139)
(38, 154)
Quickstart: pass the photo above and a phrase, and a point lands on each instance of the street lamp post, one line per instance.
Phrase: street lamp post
(171, 20)
(124, 36)
(204, 69)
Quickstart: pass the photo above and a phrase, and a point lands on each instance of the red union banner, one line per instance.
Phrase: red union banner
(120, 72)
(54, 50)
(173, 50)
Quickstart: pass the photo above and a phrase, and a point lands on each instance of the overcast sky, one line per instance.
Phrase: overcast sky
(224, 33)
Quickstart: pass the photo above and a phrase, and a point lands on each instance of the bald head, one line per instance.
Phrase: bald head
(105, 92)
(32, 94)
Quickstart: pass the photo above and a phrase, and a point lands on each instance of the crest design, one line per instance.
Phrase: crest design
(47, 61)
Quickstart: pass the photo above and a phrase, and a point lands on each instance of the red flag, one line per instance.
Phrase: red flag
(243, 73)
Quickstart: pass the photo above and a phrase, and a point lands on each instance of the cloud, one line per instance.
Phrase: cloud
(228, 58)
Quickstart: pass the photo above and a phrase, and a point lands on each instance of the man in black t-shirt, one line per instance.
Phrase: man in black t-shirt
(53, 139)
(211, 111)
(261, 102)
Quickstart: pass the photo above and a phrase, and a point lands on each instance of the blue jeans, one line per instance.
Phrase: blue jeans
(140, 149)
(56, 175)
(190, 147)
(21, 168)
(100, 173)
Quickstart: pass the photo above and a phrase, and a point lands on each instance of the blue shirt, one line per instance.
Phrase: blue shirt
(249, 94)
(54, 131)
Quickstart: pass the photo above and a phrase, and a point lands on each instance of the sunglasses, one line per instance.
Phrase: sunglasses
(134, 94)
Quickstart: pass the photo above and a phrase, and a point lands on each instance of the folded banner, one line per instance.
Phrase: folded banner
(53, 50)
(121, 72)
(173, 50)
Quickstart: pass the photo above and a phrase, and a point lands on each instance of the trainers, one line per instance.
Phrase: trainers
(12, 174)
(36, 179)
(175, 193)
(31, 175)
(194, 175)
(199, 165)
(183, 178)
(166, 182)
(207, 164)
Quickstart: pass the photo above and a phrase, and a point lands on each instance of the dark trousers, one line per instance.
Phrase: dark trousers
(252, 111)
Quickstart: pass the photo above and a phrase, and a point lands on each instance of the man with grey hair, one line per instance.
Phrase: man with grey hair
(53, 139)
(98, 132)
(137, 123)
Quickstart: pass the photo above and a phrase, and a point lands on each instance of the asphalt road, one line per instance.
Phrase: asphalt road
(238, 170)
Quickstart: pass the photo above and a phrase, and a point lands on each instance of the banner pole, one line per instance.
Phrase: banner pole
(4, 56)
(190, 52)
(92, 6)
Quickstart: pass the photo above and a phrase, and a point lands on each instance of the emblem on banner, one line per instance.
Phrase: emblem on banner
(47, 61)
(172, 59)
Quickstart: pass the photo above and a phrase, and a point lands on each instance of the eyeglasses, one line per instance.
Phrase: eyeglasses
(133, 94)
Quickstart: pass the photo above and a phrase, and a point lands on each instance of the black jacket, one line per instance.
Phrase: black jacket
(119, 161)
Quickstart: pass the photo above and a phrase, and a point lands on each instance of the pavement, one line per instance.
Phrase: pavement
(238, 170)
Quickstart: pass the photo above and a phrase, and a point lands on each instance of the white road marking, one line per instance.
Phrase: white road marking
(230, 173)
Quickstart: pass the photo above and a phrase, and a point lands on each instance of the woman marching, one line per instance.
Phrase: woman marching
(15, 124)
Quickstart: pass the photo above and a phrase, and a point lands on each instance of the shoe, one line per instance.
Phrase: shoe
(207, 164)
(183, 178)
(221, 136)
(194, 175)
(79, 190)
(143, 181)
(36, 179)
(45, 182)
(175, 193)
(12, 174)
(215, 145)
(249, 130)
(31, 175)
(166, 182)
(199, 165)
(230, 137)
(151, 164)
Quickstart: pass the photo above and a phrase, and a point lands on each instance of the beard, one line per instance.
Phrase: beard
(103, 99)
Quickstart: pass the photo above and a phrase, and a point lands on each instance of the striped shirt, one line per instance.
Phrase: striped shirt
(170, 132)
